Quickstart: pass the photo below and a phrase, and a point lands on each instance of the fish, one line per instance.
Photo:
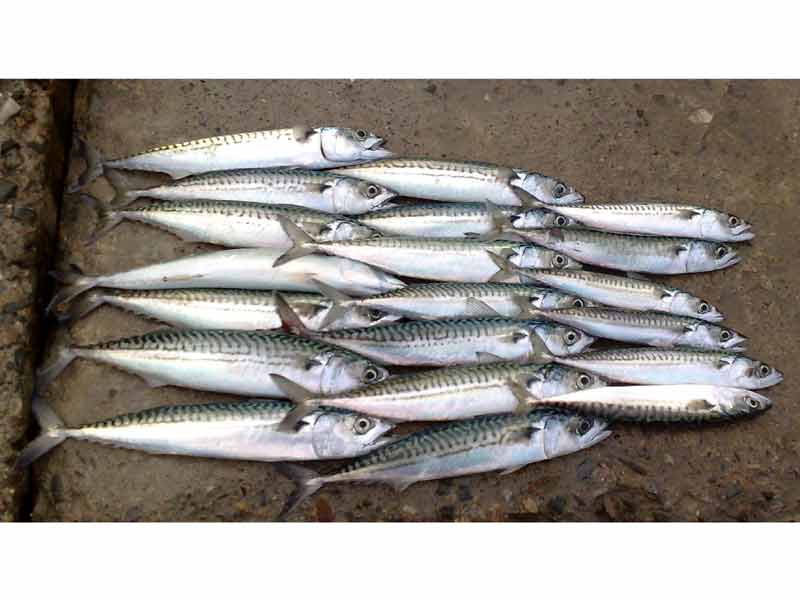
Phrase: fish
(503, 443)
(438, 259)
(315, 190)
(446, 394)
(660, 366)
(300, 146)
(660, 219)
(646, 328)
(660, 403)
(448, 342)
(640, 254)
(541, 218)
(242, 430)
(430, 301)
(227, 309)
(463, 181)
(633, 292)
(219, 360)
(241, 268)
(233, 224)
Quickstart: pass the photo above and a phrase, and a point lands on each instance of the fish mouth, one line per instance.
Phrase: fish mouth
(743, 232)
(735, 344)
(712, 317)
(599, 437)
(571, 198)
(732, 260)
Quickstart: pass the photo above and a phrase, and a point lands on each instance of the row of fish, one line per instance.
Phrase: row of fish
(325, 255)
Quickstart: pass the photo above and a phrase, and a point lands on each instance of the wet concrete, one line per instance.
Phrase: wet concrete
(728, 145)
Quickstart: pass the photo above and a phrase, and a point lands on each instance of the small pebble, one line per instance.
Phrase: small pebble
(8, 108)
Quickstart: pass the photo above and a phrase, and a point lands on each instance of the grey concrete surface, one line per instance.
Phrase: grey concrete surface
(729, 145)
(32, 154)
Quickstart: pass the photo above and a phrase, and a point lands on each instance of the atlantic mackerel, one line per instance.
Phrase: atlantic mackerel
(491, 443)
(664, 403)
(312, 148)
(464, 181)
(243, 430)
(234, 224)
(246, 268)
(228, 309)
(233, 362)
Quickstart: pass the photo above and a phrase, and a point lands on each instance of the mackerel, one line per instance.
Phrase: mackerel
(662, 219)
(642, 254)
(464, 181)
(646, 328)
(450, 342)
(438, 259)
(228, 309)
(664, 403)
(234, 224)
(491, 443)
(658, 366)
(448, 394)
(233, 362)
(636, 292)
(246, 268)
(243, 430)
(314, 190)
(312, 148)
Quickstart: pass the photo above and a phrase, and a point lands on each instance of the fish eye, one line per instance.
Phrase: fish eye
(561, 221)
(571, 337)
(374, 314)
(362, 425)
(584, 380)
(559, 190)
(703, 308)
(753, 402)
(559, 260)
(764, 370)
(361, 134)
(720, 251)
(725, 335)
(372, 191)
(535, 300)
(584, 426)
(371, 375)
(733, 221)
(578, 303)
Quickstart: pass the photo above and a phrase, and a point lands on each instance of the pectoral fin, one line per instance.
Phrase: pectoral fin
(478, 308)
(488, 357)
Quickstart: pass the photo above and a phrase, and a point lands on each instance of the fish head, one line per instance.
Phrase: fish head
(540, 218)
(362, 316)
(712, 337)
(718, 225)
(353, 196)
(547, 299)
(341, 434)
(736, 402)
(565, 433)
(561, 340)
(681, 303)
(344, 229)
(709, 256)
(555, 380)
(345, 145)
(366, 280)
(748, 373)
(548, 190)
(343, 371)
(536, 257)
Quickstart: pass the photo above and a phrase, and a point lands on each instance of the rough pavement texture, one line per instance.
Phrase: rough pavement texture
(32, 157)
(729, 145)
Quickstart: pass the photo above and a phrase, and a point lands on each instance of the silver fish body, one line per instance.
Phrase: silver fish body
(623, 292)
(660, 366)
(661, 403)
(312, 148)
(459, 342)
(463, 181)
(233, 362)
(238, 224)
(315, 190)
(661, 255)
(489, 443)
(437, 219)
(228, 309)
(647, 328)
(243, 430)
(455, 392)
(660, 219)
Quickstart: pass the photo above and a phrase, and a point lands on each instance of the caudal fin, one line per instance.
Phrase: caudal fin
(303, 398)
(506, 270)
(302, 243)
(289, 319)
(94, 164)
(82, 306)
(123, 194)
(49, 372)
(76, 283)
(53, 433)
(107, 219)
(500, 224)
(306, 481)
(336, 311)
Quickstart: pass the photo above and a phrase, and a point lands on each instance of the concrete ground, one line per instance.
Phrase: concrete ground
(727, 145)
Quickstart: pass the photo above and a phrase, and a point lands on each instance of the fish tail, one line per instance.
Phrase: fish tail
(94, 163)
(107, 218)
(53, 433)
(289, 319)
(123, 194)
(500, 224)
(306, 481)
(48, 373)
(76, 283)
(304, 399)
(336, 311)
(302, 243)
(82, 306)
(506, 270)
